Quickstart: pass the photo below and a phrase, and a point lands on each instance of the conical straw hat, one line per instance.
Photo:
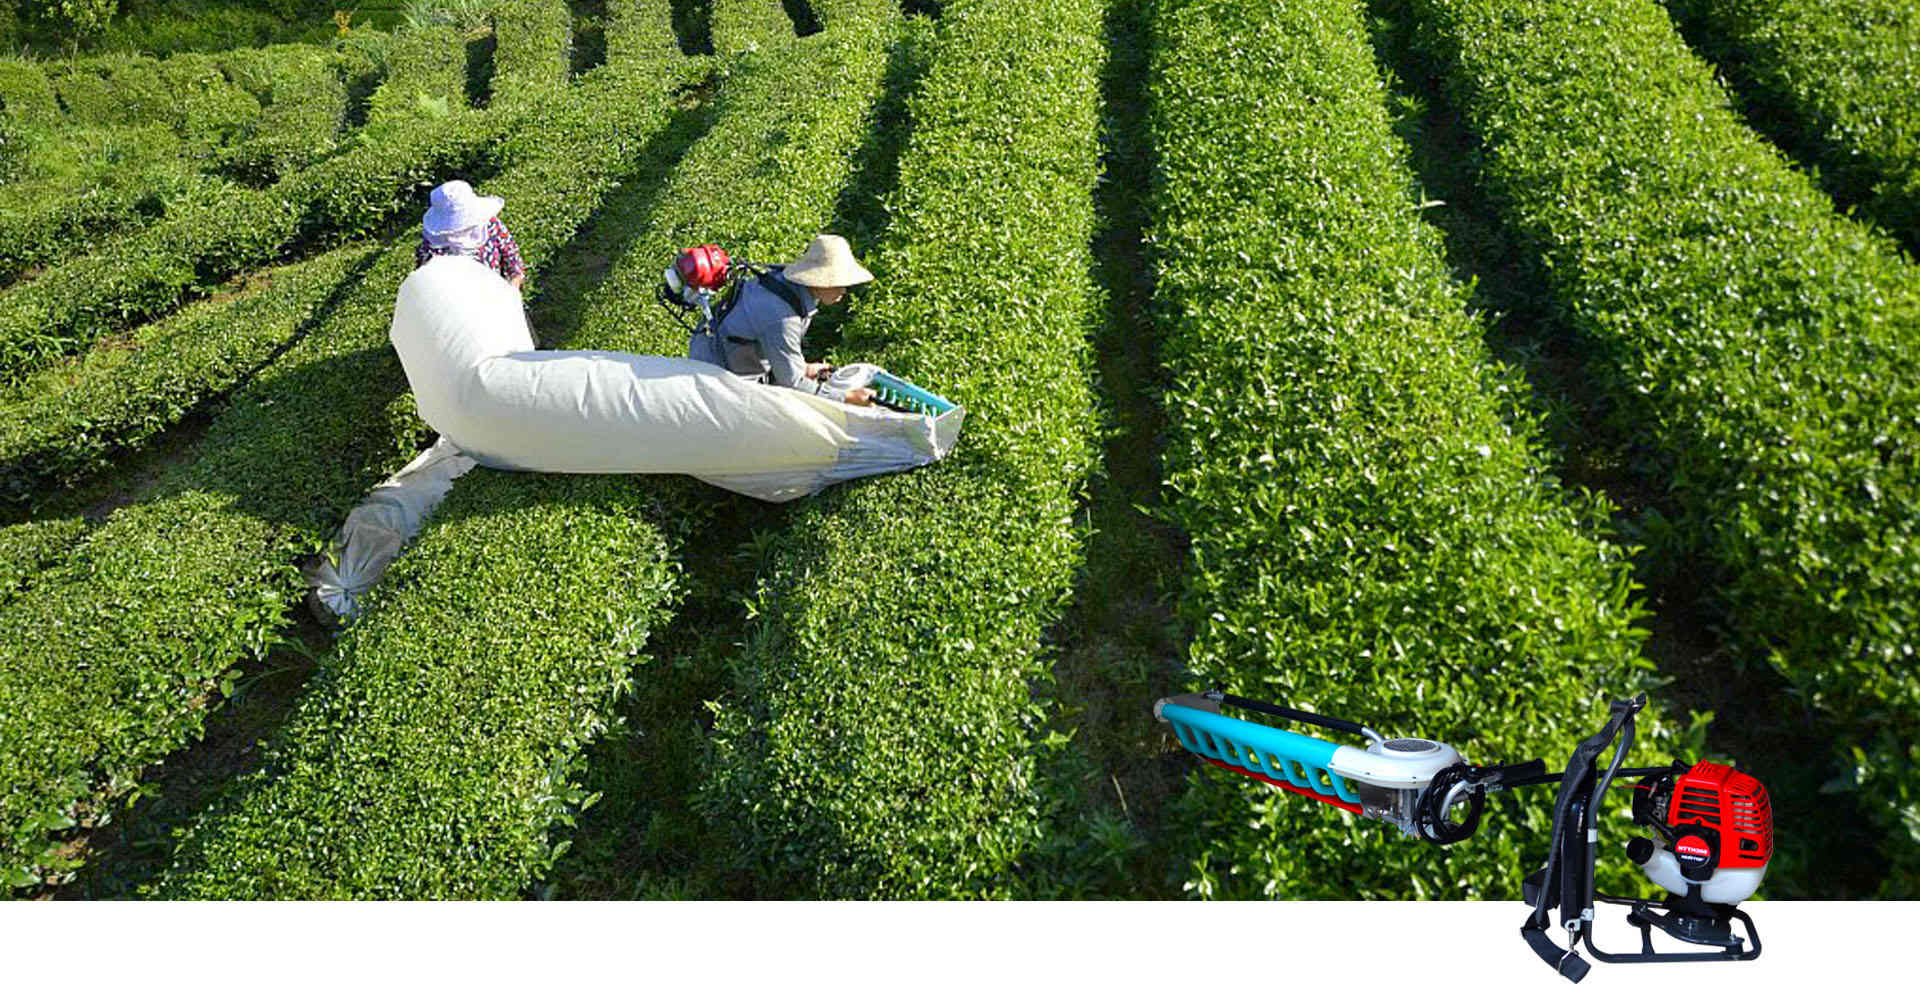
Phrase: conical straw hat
(828, 263)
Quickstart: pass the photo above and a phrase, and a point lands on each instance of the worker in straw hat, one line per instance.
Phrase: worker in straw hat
(759, 337)
(461, 222)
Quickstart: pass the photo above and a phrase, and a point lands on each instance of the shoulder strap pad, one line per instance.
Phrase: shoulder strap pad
(770, 279)
(777, 283)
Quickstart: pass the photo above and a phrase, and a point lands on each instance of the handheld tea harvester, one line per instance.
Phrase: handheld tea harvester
(703, 283)
(1711, 826)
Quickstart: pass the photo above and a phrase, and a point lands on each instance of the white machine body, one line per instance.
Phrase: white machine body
(1389, 776)
(1404, 762)
(1728, 885)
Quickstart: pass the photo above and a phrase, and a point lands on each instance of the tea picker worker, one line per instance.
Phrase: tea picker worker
(759, 336)
(461, 222)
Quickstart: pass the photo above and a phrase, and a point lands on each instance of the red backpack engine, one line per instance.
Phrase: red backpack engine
(703, 283)
(1713, 831)
(705, 267)
(694, 288)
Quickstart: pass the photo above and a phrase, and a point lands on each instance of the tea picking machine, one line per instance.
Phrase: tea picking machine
(1709, 828)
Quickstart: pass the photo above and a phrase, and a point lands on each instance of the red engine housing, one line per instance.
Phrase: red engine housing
(704, 267)
(1732, 803)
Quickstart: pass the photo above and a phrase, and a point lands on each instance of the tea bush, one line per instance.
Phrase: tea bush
(144, 274)
(1374, 534)
(103, 171)
(70, 421)
(744, 25)
(27, 546)
(632, 35)
(303, 92)
(209, 112)
(533, 39)
(26, 96)
(426, 76)
(14, 152)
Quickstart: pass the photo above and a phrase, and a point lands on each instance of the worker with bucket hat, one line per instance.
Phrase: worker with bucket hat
(759, 334)
(462, 223)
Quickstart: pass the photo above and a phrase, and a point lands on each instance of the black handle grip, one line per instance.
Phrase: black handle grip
(1563, 961)
(1509, 775)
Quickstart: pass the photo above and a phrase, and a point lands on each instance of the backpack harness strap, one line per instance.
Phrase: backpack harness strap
(773, 281)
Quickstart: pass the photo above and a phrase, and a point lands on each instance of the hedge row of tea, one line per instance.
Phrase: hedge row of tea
(70, 421)
(532, 44)
(188, 93)
(631, 35)
(745, 25)
(53, 27)
(434, 755)
(883, 735)
(135, 131)
(66, 185)
(306, 95)
(1757, 341)
(1843, 77)
(135, 278)
(1373, 533)
(426, 75)
(38, 229)
(28, 546)
(108, 661)
(65, 422)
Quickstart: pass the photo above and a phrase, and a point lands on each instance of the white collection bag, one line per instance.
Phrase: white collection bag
(375, 530)
(462, 337)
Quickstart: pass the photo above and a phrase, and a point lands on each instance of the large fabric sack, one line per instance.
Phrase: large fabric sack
(463, 339)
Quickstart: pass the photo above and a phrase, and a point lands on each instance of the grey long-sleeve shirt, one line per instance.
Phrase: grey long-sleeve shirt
(760, 339)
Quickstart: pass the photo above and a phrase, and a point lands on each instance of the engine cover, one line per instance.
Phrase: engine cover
(1714, 829)
(705, 267)
(1725, 885)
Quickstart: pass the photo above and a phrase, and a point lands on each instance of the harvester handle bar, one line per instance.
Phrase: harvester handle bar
(1625, 772)
(1311, 718)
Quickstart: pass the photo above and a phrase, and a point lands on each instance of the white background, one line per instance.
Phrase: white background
(1193, 951)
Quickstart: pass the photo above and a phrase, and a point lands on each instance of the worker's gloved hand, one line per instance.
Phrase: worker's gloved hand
(860, 397)
(818, 369)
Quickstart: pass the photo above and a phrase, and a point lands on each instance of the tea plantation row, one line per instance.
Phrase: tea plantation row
(135, 135)
(66, 422)
(881, 736)
(1839, 78)
(419, 131)
(474, 691)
